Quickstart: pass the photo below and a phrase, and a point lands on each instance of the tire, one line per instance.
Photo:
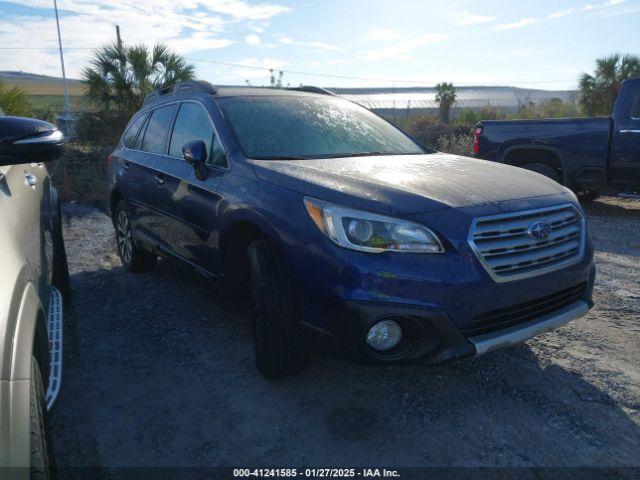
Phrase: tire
(134, 259)
(42, 458)
(279, 344)
(545, 170)
(60, 277)
(587, 196)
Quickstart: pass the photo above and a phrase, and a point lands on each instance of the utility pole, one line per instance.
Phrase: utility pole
(118, 39)
(64, 75)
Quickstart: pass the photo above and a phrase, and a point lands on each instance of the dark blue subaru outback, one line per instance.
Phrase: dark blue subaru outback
(337, 222)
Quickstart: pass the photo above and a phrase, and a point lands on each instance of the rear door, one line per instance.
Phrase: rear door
(191, 204)
(145, 177)
(625, 159)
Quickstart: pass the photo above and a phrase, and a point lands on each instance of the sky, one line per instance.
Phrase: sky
(343, 43)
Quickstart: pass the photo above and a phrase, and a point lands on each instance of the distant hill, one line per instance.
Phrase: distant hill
(46, 92)
(35, 84)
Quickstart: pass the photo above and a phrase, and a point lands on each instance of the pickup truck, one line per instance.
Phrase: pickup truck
(584, 154)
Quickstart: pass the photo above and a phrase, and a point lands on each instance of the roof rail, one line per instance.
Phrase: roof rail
(196, 86)
(312, 89)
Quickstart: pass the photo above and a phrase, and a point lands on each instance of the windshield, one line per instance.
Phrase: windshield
(299, 127)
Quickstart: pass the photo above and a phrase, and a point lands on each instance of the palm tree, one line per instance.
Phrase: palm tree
(120, 77)
(445, 97)
(598, 92)
(13, 101)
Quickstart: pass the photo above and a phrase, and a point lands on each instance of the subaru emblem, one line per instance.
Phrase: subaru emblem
(539, 230)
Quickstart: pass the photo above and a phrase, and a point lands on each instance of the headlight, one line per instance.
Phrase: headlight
(369, 232)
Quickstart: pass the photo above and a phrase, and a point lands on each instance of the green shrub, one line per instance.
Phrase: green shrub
(100, 128)
(456, 144)
(13, 101)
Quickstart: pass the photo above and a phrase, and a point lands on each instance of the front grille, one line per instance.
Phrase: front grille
(523, 312)
(508, 249)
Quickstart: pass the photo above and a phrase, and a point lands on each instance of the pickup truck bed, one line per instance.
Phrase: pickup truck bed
(584, 154)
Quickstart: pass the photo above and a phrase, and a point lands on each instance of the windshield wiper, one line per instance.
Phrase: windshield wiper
(282, 157)
(365, 154)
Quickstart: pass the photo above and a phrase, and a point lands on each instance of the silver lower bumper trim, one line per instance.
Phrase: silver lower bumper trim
(54, 327)
(519, 333)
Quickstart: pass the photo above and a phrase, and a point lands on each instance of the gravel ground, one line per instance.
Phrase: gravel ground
(159, 372)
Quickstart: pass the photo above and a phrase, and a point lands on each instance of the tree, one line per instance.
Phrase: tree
(13, 101)
(120, 77)
(445, 97)
(598, 92)
(276, 82)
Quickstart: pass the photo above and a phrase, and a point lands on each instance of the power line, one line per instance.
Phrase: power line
(349, 77)
(326, 75)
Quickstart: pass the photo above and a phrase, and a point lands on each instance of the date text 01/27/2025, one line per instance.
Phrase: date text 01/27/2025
(315, 473)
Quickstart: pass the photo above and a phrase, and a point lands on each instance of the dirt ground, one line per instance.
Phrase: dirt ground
(158, 371)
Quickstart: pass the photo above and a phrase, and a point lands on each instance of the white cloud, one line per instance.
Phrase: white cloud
(184, 25)
(253, 39)
(400, 51)
(465, 18)
(312, 45)
(383, 34)
(519, 24)
(561, 13)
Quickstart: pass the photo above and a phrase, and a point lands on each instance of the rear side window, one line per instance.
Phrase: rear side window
(157, 129)
(130, 135)
(635, 105)
(192, 123)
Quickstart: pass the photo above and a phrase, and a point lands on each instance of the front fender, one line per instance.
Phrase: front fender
(22, 310)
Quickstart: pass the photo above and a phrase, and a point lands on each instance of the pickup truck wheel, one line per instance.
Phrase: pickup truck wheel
(587, 196)
(134, 259)
(279, 346)
(42, 458)
(60, 277)
(545, 170)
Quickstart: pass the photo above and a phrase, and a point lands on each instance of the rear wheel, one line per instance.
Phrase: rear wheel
(134, 259)
(42, 459)
(545, 170)
(279, 346)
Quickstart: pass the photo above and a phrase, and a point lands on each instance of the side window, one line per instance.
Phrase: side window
(217, 157)
(635, 106)
(192, 123)
(138, 145)
(157, 129)
(130, 134)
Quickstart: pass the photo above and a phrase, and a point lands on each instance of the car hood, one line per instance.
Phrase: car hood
(406, 184)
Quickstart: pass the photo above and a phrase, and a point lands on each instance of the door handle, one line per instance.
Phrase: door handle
(159, 180)
(126, 165)
(629, 131)
(30, 180)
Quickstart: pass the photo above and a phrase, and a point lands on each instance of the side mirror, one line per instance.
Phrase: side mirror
(195, 154)
(26, 140)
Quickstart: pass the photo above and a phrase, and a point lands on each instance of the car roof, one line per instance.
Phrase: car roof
(197, 88)
(262, 92)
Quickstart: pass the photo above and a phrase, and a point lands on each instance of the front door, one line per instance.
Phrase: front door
(190, 204)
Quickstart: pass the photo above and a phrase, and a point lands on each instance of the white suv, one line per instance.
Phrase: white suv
(34, 278)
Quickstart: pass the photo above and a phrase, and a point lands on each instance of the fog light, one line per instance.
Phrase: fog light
(384, 335)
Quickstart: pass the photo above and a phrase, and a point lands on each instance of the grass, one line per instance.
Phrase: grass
(56, 102)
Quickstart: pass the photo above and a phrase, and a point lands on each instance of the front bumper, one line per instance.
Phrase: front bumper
(431, 337)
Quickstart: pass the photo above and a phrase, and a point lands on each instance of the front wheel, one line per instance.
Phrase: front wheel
(279, 346)
(134, 259)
